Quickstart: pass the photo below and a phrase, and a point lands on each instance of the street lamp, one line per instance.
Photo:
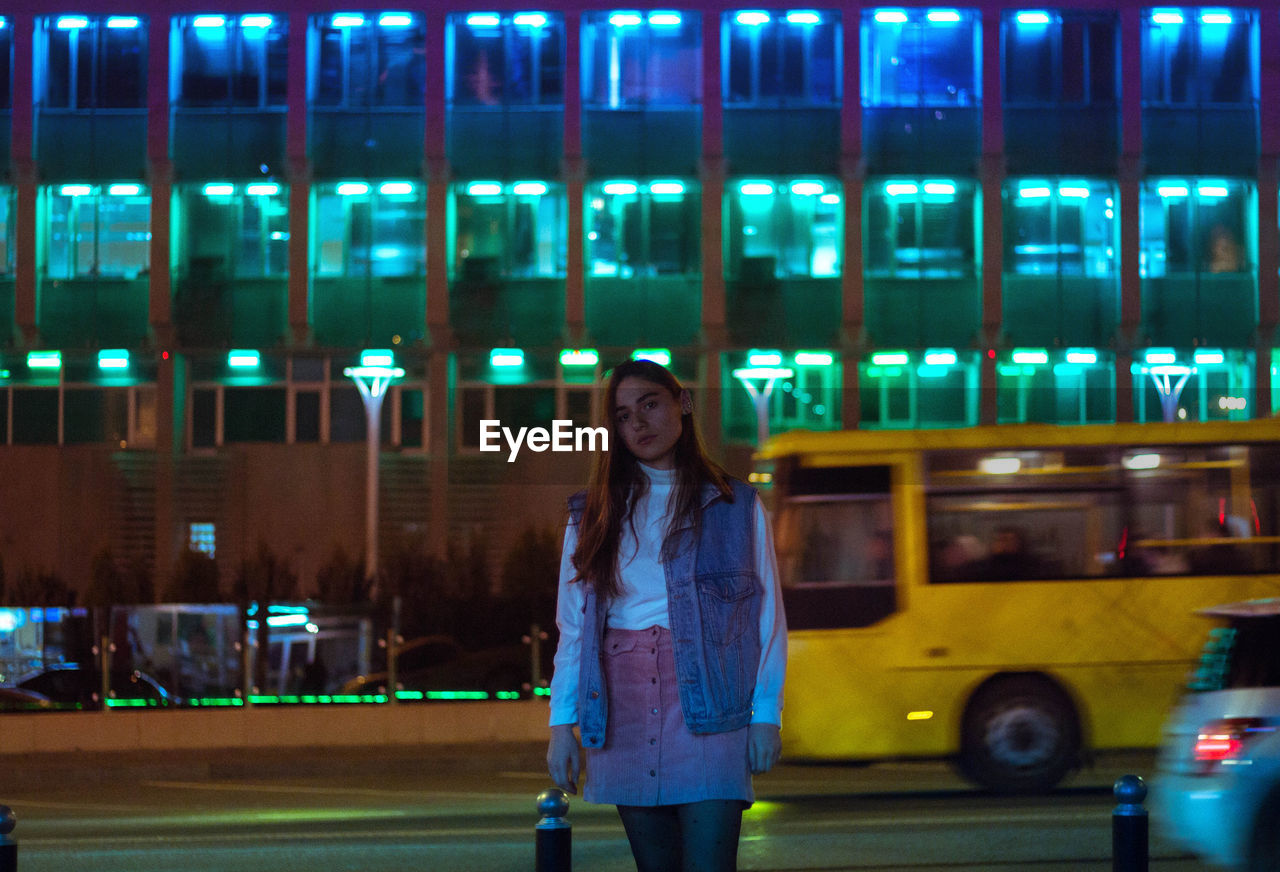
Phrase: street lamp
(759, 380)
(373, 377)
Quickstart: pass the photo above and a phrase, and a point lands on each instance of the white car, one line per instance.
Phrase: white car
(1216, 791)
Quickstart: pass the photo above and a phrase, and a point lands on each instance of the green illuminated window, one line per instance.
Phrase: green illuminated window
(364, 228)
(936, 387)
(1061, 226)
(807, 398)
(784, 228)
(642, 228)
(1197, 225)
(516, 229)
(1075, 386)
(921, 228)
(1204, 384)
(230, 230)
(97, 230)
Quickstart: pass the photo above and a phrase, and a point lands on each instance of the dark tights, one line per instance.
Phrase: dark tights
(691, 837)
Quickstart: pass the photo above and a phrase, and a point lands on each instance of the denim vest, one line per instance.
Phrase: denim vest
(714, 596)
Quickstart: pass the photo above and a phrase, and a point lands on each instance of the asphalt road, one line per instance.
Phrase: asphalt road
(412, 814)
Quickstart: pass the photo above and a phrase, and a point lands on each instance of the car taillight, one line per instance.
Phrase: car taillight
(1225, 741)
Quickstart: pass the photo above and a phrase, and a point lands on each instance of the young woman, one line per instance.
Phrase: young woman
(672, 635)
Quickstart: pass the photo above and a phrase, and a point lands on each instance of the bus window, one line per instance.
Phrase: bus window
(1022, 516)
(835, 555)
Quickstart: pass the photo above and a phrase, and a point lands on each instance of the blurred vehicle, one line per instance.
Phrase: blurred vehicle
(1217, 786)
(438, 664)
(81, 686)
(16, 699)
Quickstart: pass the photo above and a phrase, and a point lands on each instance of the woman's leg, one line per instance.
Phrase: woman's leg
(654, 834)
(709, 832)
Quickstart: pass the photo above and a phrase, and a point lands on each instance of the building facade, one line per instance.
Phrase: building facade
(924, 216)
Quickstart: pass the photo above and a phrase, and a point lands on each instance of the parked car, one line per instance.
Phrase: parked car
(80, 686)
(1216, 791)
(440, 663)
(16, 699)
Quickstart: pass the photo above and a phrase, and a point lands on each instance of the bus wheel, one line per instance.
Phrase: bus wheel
(1020, 735)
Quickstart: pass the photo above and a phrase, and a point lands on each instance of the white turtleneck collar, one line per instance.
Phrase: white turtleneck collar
(658, 477)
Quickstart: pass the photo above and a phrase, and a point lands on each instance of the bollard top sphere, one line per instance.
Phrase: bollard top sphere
(553, 803)
(1130, 789)
(7, 820)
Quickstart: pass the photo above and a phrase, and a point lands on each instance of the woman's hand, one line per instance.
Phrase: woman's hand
(764, 747)
(564, 760)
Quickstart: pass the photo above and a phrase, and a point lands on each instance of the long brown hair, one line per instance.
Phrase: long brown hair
(617, 482)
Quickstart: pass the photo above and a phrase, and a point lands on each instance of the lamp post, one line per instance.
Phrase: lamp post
(765, 376)
(1162, 376)
(373, 377)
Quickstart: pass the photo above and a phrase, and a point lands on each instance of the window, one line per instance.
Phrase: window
(1057, 59)
(505, 59)
(638, 229)
(202, 536)
(236, 61)
(234, 231)
(516, 406)
(782, 57)
(369, 229)
(921, 228)
(98, 231)
(1055, 386)
(91, 62)
(8, 201)
(635, 59)
(784, 229)
(917, 57)
(1199, 57)
(6, 63)
(516, 230)
(1062, 227)
(369, 60)
(806, 398)
(1196, 226)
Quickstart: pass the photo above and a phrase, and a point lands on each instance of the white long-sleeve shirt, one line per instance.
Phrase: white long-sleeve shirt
(643, 602)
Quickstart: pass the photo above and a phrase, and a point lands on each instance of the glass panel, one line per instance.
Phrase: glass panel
(378, 230)
(236, 64)
(8, 199)
(96, 415)
(1063, 227)
(1195, 225)
(307, 416)
(124, 234)
(370, 61)
(633, 60)
(122, 74)
(919, 58)
(776, 57)
(204, 418)
(6, 63)
(254, 414)
(1029, 55)
(98, 234)
(92, 65)
(35, 416)
(507, 60)
(499, 231)
(632, 231)
(1188, 59)
(921, 228)
(784, 228)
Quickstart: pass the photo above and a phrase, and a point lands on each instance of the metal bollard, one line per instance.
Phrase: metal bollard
(1129, 826)
(8, 847)
(554, 836)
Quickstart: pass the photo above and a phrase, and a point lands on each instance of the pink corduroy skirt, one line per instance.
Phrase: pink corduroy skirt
(649, 755)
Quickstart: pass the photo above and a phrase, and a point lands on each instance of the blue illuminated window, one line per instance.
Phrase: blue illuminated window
(1059, 59)
(505, 59)
(1200, 56)
(202, 537)
(230, 230)
(369, 59)
(641, 58)
(98, 230)
(1061, 226)
(92, 62)
(921, 228)
(232, 60)
(643, 228)
(782, 228)
(369, 229)
(1197, 225)
(515, 229)
(779, 56)
(921, 57)
(6, 63)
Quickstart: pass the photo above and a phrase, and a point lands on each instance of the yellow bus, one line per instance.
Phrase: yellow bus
(1011, 597)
